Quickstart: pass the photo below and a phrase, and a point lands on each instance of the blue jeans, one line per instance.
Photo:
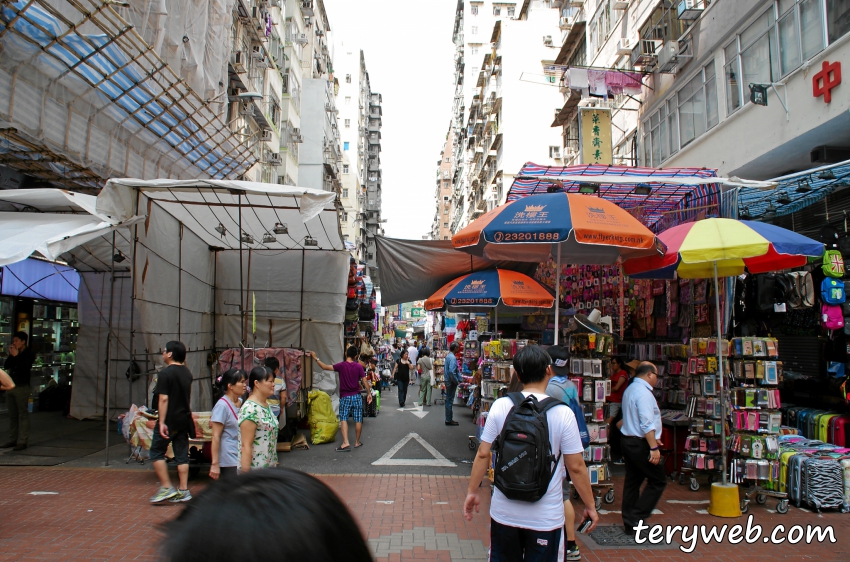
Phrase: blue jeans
(451, 389)
(402, 391)
(511, 544)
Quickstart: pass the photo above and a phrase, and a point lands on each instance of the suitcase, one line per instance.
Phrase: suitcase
(784, 459)
(823, 427)
(802, 419)
(812, 423)
(370, 410)
(845, 467)
(795, 465)
(840, 431)
(822, 483)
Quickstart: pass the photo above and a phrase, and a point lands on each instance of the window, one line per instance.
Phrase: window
(838, 18)
(345, 171)
(473, 49)
(448, 158)
(345, 146)
(344, 216)
(445, 225)
(554, 152)
(348, 78)
(445, 197)
(773, 46)
(511, 11)
(497, 10)
(474, 10)
(683, 117)
(446, 211)
(347, 100)
(348, 123)
(475, 30)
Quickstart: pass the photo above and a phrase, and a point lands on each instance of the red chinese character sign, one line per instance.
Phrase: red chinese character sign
(824, 81)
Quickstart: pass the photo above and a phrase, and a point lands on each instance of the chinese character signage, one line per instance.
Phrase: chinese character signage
(824, 81)
(595, 136)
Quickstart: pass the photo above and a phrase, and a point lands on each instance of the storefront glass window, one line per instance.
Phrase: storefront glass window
(789, 42)
(838, 18)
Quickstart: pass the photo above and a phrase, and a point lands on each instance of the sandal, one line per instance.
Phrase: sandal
(343, 449)
(358, 445)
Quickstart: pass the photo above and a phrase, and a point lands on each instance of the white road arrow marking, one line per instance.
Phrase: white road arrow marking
(416, 411)
(438, 460)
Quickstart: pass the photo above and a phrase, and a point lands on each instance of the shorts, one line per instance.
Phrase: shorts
(179, 443)
(508, 544)
(567, 487)
(614, 409)
(353, 406)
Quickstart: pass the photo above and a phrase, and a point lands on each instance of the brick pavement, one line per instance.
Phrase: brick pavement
(102, 514)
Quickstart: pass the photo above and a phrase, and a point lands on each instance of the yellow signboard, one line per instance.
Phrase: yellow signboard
(595, 136)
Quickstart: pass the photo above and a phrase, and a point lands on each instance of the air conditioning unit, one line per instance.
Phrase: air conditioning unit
(295, 135)
(263, 62)
(239, 61)
(624, 46)
(645, 52)
(547, 40)
(246, 110)
(556, 152)
(668, 57)
(256, 52)
(274, 158)
(320, 33)
(620, 5)
(565, 22)
(266, 135)
(690, 9)
(301, 38)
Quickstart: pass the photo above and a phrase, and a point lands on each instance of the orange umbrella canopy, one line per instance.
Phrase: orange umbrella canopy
(487, 289)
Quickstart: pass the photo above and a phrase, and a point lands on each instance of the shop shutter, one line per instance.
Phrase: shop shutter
(802, 354)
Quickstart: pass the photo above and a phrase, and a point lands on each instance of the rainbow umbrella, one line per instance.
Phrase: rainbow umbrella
(585, 229)
(724, 247)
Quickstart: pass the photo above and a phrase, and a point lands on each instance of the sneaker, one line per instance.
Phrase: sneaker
(182, 496)
(164, 494)
(574, 553)
(619, 462)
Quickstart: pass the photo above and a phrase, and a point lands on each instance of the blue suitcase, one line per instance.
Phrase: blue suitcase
(801, 420)
(795, 465)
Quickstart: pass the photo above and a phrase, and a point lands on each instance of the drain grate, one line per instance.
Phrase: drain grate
(613, 536)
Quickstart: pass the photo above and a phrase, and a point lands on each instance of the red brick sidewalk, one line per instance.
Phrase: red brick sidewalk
(103, 514)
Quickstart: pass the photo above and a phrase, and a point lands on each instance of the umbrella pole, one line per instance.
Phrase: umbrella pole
(557, 292)
(720, 373)
(496, 311)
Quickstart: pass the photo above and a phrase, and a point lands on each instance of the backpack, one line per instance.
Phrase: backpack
(788, 282)
(805, 288)
(766, 291)
(525, 463)
(832, 291)
(833, 263)
(578, 412)
(831, 317)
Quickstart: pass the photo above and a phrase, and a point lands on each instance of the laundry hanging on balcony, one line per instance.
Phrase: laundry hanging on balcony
(603, 83)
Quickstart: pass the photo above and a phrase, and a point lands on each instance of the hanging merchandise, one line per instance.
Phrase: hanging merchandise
(832, 291)
(833, 263)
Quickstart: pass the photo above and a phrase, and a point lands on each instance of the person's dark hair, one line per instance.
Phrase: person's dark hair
(404, 353)
(644, 369)
(230, 376)
(177, 351)
(453, 347)
(21, 336)
(352, 352)
(258, 374)
(295, 499)
(515, 385)
(425, 352)
(531, 363)
(272, 363)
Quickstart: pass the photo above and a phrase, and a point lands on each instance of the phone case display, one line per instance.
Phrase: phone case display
(755, 418)
(494, 384)
(590, 370)
(439, 352)
(54, 341)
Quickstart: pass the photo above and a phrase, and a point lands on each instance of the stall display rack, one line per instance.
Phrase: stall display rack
(756, 420)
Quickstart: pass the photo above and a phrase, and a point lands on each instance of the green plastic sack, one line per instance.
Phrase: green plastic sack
(321, 417)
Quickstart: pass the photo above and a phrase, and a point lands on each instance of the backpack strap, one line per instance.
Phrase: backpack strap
(550, 403)
(517, 398)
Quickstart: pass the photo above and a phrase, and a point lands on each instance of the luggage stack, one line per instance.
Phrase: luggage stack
(815, 474)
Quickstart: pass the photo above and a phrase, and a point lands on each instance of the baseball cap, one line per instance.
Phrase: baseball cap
(560, 359)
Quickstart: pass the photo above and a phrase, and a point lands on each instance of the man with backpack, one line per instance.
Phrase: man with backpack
(534, 437)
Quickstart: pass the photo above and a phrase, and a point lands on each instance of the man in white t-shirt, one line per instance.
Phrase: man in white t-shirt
(532, 531)
(413, 357)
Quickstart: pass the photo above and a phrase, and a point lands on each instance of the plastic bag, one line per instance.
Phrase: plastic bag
(321, 418)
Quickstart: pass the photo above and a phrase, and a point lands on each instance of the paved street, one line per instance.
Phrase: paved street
(408, 512)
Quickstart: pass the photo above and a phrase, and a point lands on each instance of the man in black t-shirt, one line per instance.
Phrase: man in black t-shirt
(175, 425)
(19, 366)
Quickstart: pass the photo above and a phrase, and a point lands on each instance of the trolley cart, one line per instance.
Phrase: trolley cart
(602, 492)
(714, 475)
(761, 498)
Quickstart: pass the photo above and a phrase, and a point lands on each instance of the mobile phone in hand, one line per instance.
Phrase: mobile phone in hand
(585, 525)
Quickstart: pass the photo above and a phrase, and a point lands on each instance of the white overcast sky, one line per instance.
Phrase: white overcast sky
(410, 59)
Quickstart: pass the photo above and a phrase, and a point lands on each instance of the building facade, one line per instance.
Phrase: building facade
(350, 73)
(372, 108)
(441, 226)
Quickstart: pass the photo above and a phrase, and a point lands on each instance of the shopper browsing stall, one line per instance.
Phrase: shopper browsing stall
(452, 378)
(641, 444)
(426, 377)
(224, 423)
(257, 423)
(351, 373)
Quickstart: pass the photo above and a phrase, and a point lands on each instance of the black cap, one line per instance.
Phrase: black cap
(560, 359)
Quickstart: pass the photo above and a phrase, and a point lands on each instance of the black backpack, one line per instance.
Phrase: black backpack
(525, 463)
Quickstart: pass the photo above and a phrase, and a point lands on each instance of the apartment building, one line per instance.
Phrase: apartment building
(350, 71)
(371, 201)
(441, 227)
(505, 99)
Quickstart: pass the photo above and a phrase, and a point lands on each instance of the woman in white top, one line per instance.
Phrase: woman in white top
(225, 424)
(426, 377)
(257, 423)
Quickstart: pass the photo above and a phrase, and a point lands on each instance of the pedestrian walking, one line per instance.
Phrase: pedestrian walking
(276, 502)
(426, 377)
(19, 366)
(258, 425)
(528, 529)
(401, 374)
(452, 377)
(413, 357)
(641, 443)
(224, 422)
(175, 425)
(351, 373)
(273, 364)
(562, 388)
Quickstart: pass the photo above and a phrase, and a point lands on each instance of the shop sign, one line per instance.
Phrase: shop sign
(595, 136)
(417, 312)
(824, 81)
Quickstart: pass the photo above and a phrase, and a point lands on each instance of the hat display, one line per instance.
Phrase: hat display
(560, 359)
(589, 322)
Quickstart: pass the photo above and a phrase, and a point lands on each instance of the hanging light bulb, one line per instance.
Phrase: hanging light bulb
(827, 175)
(310, 241)
(745, 213)
(783, 199)
(268, 238)
(280, 228)
(246, 238)
(221, 230)
(803, 186)
(770, 212)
